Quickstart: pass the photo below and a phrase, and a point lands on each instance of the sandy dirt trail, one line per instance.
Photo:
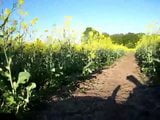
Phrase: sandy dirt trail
(121, 73)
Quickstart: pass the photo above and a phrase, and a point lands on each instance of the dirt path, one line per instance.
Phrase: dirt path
(120, 74)
(116, 93)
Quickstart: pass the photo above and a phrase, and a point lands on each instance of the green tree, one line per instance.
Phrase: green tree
(129, 40)
(89, 32)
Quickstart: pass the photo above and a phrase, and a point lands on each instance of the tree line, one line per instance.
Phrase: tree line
(129, 40)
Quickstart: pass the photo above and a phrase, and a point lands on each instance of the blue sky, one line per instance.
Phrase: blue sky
(111, 16)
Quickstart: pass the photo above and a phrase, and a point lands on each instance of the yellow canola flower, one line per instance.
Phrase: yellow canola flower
(24, 25)
(7, 11)
(34, 21)
(21, 2)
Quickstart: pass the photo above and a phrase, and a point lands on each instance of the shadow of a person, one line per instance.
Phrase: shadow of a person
(134, 80)
(112, 98)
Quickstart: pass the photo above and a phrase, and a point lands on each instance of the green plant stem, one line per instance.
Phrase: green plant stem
(9, 70)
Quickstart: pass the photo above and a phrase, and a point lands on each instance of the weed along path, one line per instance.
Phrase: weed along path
(117, 93)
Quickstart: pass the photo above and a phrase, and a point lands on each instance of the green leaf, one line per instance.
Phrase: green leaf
(23, 77)
(6, 74)
(10, 100)
(7, 67)
(29, 91)
(31, 86)
(157, 60)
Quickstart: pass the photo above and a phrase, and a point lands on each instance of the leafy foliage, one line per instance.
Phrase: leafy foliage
(148, 55)
(129, 40)
(53, 68)
(15, 93)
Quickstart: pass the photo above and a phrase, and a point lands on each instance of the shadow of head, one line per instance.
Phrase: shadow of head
(134, 80)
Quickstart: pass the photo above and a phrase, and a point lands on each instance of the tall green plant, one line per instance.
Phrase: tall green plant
(15, 93)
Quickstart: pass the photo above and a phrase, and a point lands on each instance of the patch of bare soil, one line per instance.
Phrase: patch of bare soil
(117, 93)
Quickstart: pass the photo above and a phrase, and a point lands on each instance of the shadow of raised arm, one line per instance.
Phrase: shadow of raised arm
(114, 94)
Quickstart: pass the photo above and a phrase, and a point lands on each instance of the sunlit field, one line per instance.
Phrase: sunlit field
(39, 68)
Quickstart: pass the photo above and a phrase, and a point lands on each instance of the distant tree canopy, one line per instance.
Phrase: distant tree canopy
(105, 34)
(129, 40)
(89, 32)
